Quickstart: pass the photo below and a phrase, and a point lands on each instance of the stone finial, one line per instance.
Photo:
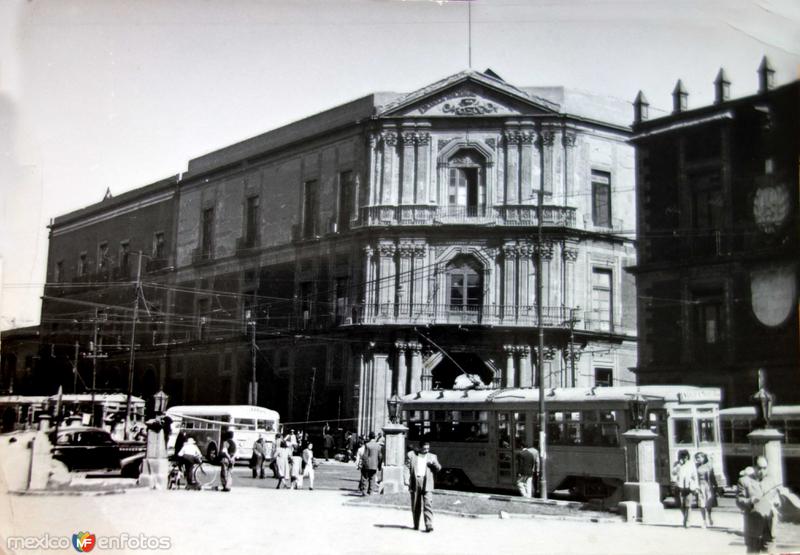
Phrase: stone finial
(640, 108)
(722, 87)
(680, 98)
(766, 75)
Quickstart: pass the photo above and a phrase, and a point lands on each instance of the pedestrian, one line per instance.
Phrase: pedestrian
(282, 471)
(227, 459)
(189, 456)
(258, 458)
(351, 441)
(371, 462)
(684, 474)
(527, 469)
(328, 445)
(418, 476)
(291, 440)
(756, 498)
(309, 462)
(707, 487)
(296, 467)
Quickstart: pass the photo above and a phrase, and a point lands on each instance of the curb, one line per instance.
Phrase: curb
(62, 493)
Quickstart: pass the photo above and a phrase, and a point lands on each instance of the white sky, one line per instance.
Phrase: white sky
(105, 93)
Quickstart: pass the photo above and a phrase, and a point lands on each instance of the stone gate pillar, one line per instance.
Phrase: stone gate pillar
(395, 458)
(766, 442)
(641, 490)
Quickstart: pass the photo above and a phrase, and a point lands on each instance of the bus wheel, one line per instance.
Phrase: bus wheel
(211, 453)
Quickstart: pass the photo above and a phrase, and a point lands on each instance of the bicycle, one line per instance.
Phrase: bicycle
(202, 472)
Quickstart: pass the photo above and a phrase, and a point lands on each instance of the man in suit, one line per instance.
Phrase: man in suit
(418, 476)
(755, 496)
(371, 462)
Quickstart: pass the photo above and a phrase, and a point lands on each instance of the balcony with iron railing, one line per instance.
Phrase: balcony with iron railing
(425, 214)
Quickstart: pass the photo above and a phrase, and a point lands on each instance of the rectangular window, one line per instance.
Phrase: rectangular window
(342, 286)
(82, 264)
(602, 299)
(345, 200)
(603, 377)
(708, 318)
(102, 256)
(124, 256)
(207, 238)
(306, 289)
(251, 221)
(601, 198)
(59, 271)
(705, 430)
(159, 245)
(310, 209)
(683, 432)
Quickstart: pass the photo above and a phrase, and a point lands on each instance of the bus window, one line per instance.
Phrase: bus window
(503, 432)
(705, 430)
(683, 431)
(267, 425)
(245, 423)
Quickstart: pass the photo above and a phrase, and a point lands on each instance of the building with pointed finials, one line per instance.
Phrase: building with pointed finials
(717, 200)
(387, 245)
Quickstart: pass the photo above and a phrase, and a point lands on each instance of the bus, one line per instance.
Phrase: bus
(205, 423)
(476, 433)
(737, 422)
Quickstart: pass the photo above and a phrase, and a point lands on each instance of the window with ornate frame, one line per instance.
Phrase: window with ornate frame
(466, 183)
(464, 285)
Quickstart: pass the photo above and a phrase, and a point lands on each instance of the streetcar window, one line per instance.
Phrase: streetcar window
(658, 422)
(591, 428)
(792, 429)
(740, 430)
(683, 431)
(572, 428)
(705, 430)
(503, 432)
(519, 431)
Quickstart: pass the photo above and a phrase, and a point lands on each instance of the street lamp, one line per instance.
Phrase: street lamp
(160, 400)
(638, 406)
(393, 403)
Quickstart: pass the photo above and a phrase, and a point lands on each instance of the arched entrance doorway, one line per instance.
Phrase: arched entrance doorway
(445, 373)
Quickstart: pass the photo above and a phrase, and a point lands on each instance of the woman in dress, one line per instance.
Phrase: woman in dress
(684, 474)
(707, 487)
(282, 464)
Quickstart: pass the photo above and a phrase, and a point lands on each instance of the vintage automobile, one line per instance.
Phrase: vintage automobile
(85, 448)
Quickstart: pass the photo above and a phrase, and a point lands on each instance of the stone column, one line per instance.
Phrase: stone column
(362, 390)
(401, 387)
(155, 466)
(381, 382)
(569, 139)
(420, 283)
(404, 282)
(766, 442)
(512, 142)
(509, 281)
(569, 255)
(423, 157)
(407, 179)
(395, 458)
(641, 492)
(525, 371)
(369, 285)
(527, 138)
(526, 287)
(388, 184)
(548, 139)
(386, 279)
(416, 367)
(545, 250)
(374, 182)
(510, 379)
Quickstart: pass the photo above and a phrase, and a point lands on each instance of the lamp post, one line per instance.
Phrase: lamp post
(160, 400)
(638, 407)
(393, 403)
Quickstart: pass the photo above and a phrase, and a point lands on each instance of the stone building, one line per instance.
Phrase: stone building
(718, 240)
(19, 351)
(389, 245)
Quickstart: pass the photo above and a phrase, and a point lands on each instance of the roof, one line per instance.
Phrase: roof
(780, 410)
(684, 394)
(180, 410)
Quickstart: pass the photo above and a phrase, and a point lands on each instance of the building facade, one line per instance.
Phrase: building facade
(390, 244)
(718, 241)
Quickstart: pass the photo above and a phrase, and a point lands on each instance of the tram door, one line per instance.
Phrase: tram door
(511, 432)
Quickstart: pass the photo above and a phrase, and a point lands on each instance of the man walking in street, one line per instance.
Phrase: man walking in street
(259, 456)
(527, 469)
(371, 462)
(756, 497)
(227, 457)
(418, 476)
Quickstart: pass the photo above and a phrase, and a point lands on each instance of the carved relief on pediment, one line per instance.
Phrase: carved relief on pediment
(463, 102)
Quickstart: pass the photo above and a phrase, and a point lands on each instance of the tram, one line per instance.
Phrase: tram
(476, 433)
(737, 422)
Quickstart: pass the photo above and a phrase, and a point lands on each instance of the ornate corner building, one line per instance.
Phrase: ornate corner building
(717, 194)
(384, 246)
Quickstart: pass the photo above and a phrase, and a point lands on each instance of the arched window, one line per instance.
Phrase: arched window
(466, 186)
(465, 286)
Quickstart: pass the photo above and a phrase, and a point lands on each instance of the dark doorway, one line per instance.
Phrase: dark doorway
(445, 373)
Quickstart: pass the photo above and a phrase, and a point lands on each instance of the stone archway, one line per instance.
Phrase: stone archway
(445, 373)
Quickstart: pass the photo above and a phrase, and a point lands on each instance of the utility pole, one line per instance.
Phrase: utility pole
(75, 368)
(311, 397)
(540, 329)
(133, 343)
(254, 380)
(95, 352)
(572, 321)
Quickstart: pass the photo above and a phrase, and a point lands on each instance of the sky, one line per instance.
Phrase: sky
(98, 94)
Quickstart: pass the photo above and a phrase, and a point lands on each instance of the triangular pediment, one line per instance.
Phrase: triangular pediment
(468, 94)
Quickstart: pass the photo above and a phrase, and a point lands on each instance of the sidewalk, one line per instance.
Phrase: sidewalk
(249, 520)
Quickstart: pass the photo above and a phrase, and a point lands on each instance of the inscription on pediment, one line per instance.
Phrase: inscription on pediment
(465, 102)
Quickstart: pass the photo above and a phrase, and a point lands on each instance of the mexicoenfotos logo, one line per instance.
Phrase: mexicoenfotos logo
(83, 542)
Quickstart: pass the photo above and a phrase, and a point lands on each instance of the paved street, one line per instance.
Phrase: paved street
(256, 519)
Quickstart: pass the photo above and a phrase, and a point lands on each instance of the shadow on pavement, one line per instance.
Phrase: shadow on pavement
(397, 526)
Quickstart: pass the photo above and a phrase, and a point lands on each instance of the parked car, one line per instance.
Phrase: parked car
(86, 448)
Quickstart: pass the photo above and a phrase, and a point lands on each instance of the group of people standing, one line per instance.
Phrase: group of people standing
(695, 480)
(291, 461)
